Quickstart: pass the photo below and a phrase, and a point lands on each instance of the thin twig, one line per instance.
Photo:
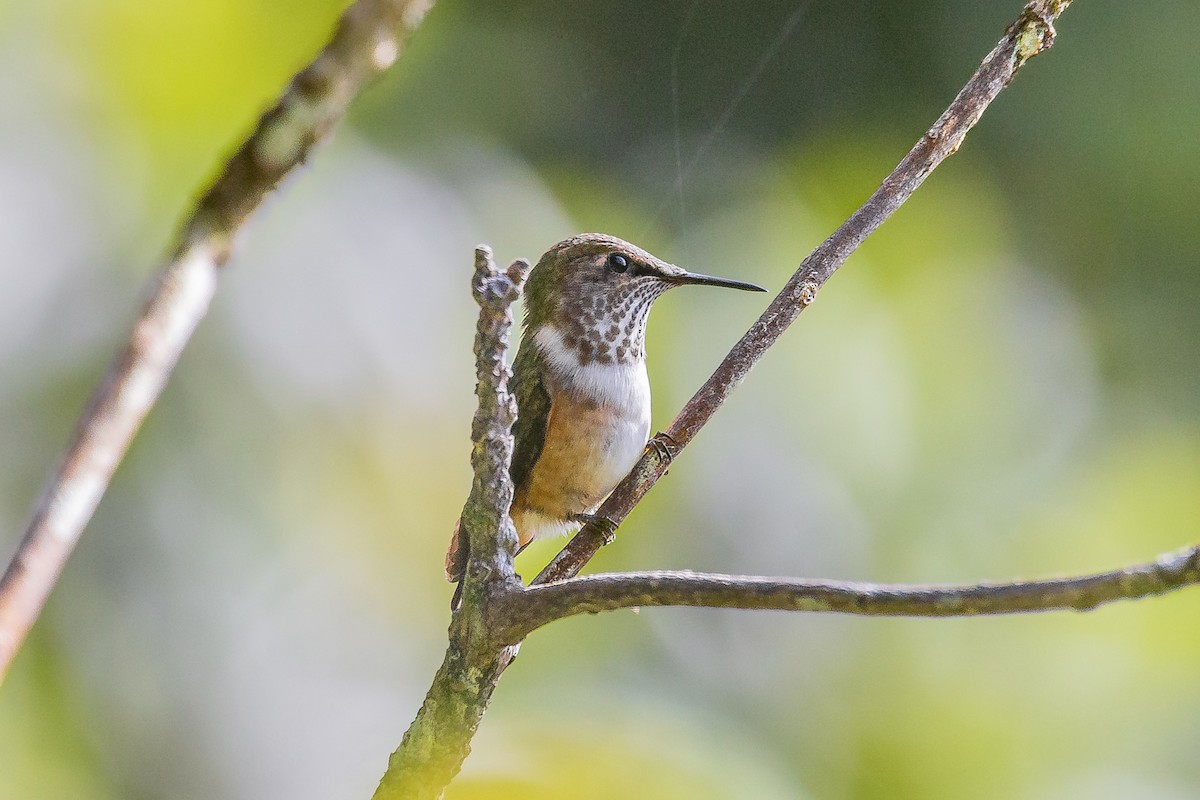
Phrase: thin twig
(434, 746)
(485, 523)
(366, 41)
(591, 594)
(1032, 33)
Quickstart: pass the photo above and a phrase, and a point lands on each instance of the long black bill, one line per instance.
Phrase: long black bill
(709, 280)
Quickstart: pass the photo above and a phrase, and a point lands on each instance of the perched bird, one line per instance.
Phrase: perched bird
(583, 396)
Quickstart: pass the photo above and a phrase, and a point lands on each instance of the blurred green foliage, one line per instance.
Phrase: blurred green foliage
(1002, 382)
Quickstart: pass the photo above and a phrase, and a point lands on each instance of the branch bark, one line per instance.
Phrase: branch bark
(592, 594)
(439, 739)
(485, 522)
(1031, 34)
(367, 40)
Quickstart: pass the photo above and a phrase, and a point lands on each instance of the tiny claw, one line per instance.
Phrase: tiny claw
(605, 526)
(664, 445)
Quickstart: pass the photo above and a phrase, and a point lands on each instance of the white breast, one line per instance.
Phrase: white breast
(625, 388)
(627, 439)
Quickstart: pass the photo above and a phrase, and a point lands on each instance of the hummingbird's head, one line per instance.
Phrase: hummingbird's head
(596, 291)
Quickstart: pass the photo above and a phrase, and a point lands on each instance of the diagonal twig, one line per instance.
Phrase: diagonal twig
(1031, 34)
(367, 40)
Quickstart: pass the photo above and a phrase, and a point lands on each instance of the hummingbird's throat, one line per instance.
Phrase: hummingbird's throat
(609, 327)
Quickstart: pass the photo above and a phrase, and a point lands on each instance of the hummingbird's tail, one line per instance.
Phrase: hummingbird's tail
(456, 564)
(456, 561)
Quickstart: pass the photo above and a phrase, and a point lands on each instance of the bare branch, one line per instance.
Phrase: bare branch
(490, 534)
(367, 40)
(432, 750)
(591, 594)
(1031, 34)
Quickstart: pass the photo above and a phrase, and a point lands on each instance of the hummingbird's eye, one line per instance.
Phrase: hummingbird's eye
(618, 262)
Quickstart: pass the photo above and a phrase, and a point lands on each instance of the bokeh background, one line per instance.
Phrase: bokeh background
(1003, 382)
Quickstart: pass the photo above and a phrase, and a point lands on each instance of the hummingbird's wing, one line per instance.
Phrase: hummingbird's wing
(533, 410)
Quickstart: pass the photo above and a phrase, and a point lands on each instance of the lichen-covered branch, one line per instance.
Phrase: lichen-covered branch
(1032, 33)
(367, 40)
(590, 594)
(438, 740)
(485, 523)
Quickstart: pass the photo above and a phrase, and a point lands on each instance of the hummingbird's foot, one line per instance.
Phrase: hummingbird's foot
(664, 445)
(605, 526)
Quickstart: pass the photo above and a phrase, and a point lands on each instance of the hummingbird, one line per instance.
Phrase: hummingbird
(580, 382)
